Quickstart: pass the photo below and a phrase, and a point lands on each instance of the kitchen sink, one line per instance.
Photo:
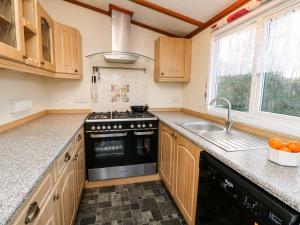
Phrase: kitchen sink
(201, 127)
(228, 141)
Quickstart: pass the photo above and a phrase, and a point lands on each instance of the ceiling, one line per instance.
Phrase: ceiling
(172, 17)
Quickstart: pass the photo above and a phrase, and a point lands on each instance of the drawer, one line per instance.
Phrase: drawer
(65, 158)
(79, 137)
(38, 200)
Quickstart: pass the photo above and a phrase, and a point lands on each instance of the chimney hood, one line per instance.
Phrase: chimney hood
(121, 29)
(121, 33)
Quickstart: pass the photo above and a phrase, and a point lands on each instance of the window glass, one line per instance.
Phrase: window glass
(233, 64)
(280, 65)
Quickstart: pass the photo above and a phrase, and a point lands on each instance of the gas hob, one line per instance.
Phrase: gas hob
(119, 116)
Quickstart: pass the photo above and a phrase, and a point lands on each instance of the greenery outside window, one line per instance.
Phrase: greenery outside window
(256, 65)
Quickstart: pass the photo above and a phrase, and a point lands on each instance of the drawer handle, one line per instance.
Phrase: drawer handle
(32, 213)
(67, 157)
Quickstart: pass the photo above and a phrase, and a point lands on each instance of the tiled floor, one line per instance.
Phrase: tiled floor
(133, 204)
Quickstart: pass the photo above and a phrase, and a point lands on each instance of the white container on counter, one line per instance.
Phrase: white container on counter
(283, 158)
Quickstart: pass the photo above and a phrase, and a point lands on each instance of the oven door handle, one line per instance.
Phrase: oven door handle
(108, 135)
(143, 133)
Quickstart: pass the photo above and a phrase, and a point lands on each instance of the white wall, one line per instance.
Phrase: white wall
(96, 37)
(17, 85)
(194, 91)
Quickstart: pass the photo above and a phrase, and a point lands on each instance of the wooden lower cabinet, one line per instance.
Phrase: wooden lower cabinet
(66, 195)
(49, 213)
(166, 157)
(179, 170)
(57, 197)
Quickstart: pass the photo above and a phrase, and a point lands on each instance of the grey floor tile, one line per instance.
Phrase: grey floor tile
(146, 203)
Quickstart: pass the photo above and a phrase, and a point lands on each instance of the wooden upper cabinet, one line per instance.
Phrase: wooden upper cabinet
(166, 156)
(46, 42)
(172, 59)
(11, 30)
(31, 37)
(187, 158)
(67, 50)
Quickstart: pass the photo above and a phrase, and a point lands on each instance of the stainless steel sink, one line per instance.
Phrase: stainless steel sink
(228, 141)
(201, 127)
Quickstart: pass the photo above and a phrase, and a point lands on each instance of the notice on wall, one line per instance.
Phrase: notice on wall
(120, 93)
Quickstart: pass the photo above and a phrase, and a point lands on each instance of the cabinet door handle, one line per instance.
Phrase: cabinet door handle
(75, 158)
(55, 197)
(42, 63)
(25, 57)
(162, 74)
(67, 157)
(79, 137)
(76, 70)
(32, 213)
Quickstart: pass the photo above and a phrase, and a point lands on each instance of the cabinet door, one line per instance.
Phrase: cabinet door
(66, 49)
(172, 57)
(187, 157)
(48, 214)
(79, 160)
(166, 156)
(67, 196)
(46, 40)
(31, 34)
(11, 30)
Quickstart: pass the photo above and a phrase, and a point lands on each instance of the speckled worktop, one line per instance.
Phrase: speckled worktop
(26, 153)
(282, 182)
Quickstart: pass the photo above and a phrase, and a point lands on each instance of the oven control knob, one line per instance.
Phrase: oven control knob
(108, 127)
(103, 127)
(139, 125)
(120, 126)
(150, 125)
(115, 126)
(144, 125)
(98, 127)
(93, 127)
(132, 126)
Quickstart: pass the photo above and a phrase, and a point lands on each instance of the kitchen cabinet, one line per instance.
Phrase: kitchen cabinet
(49, 214)
(79, 160)
(187, 157)
(172, 59)
(179, 170)
(166, 164)
(46, 40)
(31, 37)
(68, 52)
(11, 30)
(56, 199)
(66, 194)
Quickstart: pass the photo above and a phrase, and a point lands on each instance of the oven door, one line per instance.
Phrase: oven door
(145, 146)
(108, 149)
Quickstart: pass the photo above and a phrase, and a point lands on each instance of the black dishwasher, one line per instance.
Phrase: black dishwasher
(227, 198)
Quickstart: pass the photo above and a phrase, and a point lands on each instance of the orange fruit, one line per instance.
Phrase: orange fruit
(285, 149)
(276, 143)
(294, 146)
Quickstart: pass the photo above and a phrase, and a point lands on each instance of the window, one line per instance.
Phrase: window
(233, 67)
(257, 67)
(281, 65)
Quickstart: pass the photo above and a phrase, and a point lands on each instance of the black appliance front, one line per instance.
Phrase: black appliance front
(227, 198)
(117, 154)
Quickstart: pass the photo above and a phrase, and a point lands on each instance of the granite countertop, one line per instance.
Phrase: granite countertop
(282, 182)
(26, 154)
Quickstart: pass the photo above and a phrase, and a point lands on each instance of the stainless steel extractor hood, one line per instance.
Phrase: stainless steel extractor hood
(121, 29)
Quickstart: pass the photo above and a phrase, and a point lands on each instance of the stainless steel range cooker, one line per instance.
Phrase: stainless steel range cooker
(121, 144)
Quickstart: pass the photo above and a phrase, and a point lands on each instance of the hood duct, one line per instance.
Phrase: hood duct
(121, 30)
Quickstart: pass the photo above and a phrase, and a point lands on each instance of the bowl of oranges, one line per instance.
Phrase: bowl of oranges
(285, 154)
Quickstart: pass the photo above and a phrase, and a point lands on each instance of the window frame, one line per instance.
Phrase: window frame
(272, 121)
